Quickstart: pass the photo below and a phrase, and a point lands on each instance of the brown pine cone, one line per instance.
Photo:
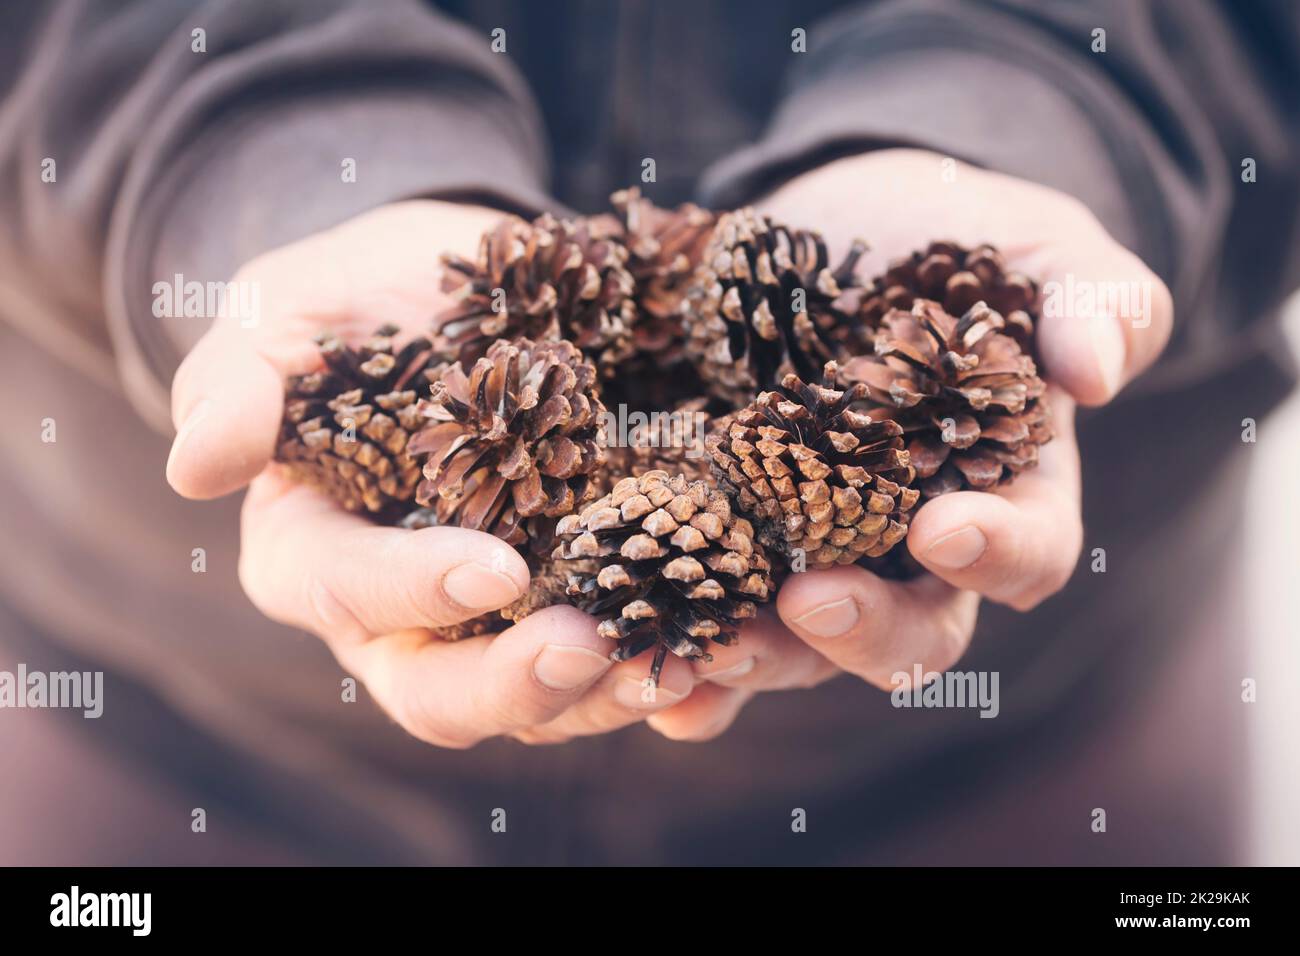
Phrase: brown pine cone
(521, 436)
(549, 586)
(345, 429)
(677, 567)
(558, 279)
(956, 278)
(968, 398)
(815, 476)
(666, 246)
(493, 623)
(743, 331)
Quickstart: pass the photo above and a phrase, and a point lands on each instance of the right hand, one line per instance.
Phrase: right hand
(373, 593)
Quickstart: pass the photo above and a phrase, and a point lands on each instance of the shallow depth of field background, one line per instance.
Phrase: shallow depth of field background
(1271, 579)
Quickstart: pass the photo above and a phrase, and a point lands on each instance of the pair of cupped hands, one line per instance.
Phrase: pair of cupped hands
(372, 593)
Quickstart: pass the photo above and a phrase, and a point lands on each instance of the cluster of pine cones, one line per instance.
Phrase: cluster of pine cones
(833, 407)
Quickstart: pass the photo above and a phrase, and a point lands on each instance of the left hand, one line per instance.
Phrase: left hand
(1016, 546)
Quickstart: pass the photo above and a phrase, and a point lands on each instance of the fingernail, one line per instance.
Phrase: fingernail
(957, 549)
(476, 586)
(731, 673)
(639, 695)
(186, 431)
(563, 667)
(830, 620)
(1109, 348)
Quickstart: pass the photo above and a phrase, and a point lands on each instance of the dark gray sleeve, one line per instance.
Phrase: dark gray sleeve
(174, 160)
(1151, 133)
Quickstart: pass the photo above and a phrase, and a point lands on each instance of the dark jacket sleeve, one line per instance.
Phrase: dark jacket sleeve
(170, 159)
(1151, 134)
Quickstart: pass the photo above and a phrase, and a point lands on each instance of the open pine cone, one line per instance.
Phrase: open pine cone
(814, 475)
(743, 331)
(968, 399)
(346, 428)
(677, 567)
(666, 246)
(560, 279)
(522, 435)
(956, 278)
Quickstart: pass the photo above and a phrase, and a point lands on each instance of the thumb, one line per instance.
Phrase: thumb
(1105, 317)
(226, 401)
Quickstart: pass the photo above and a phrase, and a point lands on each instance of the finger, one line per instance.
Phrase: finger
(875, 628)
(457, 694)
(1105, 315)
(708, 712)
(624, 695)
(766, 657)
(226, 401)
(1019, 546)
(306, 563)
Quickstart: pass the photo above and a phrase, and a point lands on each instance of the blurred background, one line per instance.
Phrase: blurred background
(1271, 582)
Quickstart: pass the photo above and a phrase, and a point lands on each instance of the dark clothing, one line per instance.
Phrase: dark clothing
(175, 161)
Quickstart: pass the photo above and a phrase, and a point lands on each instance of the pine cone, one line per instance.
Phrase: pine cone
(561, 279)
(521, 436)
(968, 398)
(346, 428)
(671, 442)
(814, 475)
(743, 331)
(956, 278)
(666, 246)
(493, 623)
(550, 585)
(678, 568)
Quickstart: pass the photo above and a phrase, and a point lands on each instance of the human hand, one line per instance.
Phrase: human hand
(1016, 546)
(373, 593)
